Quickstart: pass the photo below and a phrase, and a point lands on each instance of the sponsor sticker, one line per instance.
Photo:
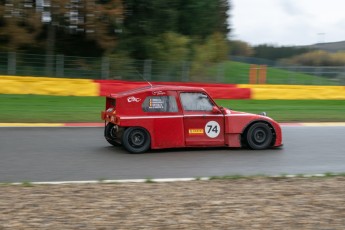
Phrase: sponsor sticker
(133, 99)
(156, 103)
(157, 93)
(195, 131)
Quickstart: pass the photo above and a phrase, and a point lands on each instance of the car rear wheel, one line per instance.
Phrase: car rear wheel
(136, 140)
(259, 136)
(110, 134)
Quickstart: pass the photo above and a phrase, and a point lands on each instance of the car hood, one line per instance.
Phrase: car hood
(238, 113)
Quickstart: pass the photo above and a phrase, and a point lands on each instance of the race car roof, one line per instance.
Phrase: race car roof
(156, 88)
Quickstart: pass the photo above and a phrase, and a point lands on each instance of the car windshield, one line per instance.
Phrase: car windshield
(196, 102)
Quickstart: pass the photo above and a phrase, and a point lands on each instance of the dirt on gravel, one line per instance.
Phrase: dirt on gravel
(247, 203)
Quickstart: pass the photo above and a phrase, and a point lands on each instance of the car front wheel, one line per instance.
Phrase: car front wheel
(136, 140)
(259, 136)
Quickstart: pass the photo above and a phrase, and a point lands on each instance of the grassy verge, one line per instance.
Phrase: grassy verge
(34, 108)
(292, 110)
(237, 72)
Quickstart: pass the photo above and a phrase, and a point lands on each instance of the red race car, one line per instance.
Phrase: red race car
(160, 117)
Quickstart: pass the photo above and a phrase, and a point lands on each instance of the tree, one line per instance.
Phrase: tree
(19, 25)
(140, 28)
(172, 47)
(203, 18)
(317, 58)
(66, 26)
(240, 48)
(84, 23)
(213, 50)
(145, 21)
(274, 53)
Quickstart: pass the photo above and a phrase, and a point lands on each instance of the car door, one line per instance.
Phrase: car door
(203, 122)
(165, 119)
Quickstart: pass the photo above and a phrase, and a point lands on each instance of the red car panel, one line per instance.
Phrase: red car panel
(172, 116)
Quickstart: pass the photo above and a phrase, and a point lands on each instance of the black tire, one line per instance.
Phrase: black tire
(259, 136)
(110, 134)
(136, 140)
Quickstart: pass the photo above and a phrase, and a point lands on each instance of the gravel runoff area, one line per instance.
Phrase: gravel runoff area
(245, 203)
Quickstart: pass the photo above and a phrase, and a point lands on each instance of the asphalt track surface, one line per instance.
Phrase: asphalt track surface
(70, 154)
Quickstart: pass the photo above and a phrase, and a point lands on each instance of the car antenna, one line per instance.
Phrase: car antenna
(144, 78)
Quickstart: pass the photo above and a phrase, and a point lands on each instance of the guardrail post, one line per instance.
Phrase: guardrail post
(262, 74)
(148, 69)
(253, 70)
(49, 65)
(185, 71)
(220, 73)
(11, 63)
(105, 68)
(59, 66)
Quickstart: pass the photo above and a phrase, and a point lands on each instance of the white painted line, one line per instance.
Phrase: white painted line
(290, 176)
(317, 124)
(163, 180)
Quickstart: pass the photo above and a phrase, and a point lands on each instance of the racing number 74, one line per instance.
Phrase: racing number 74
(212, 129)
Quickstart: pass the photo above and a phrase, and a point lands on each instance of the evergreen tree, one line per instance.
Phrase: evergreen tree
(203, 18)
(140, 29)
(145, 21)
(60, 26)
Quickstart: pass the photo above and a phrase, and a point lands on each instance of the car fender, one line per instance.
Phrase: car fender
(237, 123)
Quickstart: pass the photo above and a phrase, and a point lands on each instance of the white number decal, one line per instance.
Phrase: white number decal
(212, 129)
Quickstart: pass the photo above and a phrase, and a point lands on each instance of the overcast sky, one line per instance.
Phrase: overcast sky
(288, 22)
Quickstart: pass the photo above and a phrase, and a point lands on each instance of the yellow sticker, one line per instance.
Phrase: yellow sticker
(196, 131)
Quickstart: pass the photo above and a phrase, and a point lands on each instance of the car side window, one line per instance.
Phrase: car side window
(196, 102)
(160, 104)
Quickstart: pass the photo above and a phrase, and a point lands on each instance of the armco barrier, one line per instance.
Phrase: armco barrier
(85, 87)
(218, 91)
(296, 92)
(48, 86)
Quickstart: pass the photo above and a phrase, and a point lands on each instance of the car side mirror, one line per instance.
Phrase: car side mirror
(215, 110)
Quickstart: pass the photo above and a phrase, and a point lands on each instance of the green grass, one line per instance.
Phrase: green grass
(292, 110)
(27, 184)
(149, 180)
(34, 108)
(279, 76)
(230, 177)
(238, 73)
